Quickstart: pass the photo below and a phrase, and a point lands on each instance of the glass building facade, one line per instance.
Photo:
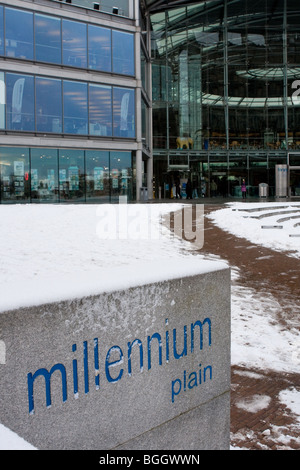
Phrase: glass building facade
(100, 100)
(70, 124)
(226, 89)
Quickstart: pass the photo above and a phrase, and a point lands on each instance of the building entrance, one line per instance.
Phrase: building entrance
(294, 183)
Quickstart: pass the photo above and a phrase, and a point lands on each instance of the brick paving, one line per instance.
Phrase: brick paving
(272, 426)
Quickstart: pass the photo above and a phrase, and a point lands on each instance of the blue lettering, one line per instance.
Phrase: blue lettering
(75, 372)
(184, 351)
(109, 365)
(86, 367)
(115, 358)
(96, 361)
(149, 340)
(130, 345)
(200, 324)
(47, 375)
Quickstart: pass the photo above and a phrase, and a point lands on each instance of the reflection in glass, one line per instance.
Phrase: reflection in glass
(120, 175)
(14, 169)
(19, 33)
(20, 102)
(97, 176)
(99, 48)
(123, 53)
(75, 108)
(100, 110)
(2, 100)
(47, 39)
(124, 112)
(48, 105)
(44, 175)
(71, 175)
(1, 32)
(74, 36)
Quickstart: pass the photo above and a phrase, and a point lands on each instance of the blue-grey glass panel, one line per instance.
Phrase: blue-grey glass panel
(19, 33)
(20, 102)
(48, 105)
(71, 175)
(2, 100)
(99, 48)
(100, 110)
(47, 39)
(1, 32)
(120, 175)
(14, 170)
(44, 175)
(75, 107)
(123, 53)
(124, 112)
(74, 36)
(97, 175)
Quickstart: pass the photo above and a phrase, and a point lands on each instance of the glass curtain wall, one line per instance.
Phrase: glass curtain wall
(34, 36)
(226, 89)
(43, 175)
(48, 105)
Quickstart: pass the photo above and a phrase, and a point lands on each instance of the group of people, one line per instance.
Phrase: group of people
(191, 191)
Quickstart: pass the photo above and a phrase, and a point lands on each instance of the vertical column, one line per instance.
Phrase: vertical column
(138, 104)
(226, 84)
(285, 75)
(139, 181)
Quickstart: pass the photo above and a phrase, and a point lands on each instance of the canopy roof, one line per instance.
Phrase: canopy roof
(155, 6)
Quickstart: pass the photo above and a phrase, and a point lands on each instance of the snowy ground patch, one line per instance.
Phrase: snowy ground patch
(273, 225)
(11, 441)
(254, 404)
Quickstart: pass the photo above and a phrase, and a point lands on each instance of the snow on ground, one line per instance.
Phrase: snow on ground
(11, 441)
(258, 340)
(51, 252)
(273, 225)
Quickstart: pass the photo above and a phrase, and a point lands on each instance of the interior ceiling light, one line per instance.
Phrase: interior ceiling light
(272, 73)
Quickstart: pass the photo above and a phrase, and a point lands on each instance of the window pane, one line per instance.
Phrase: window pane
(1, 32)
(124, 112)
(20, 102)
(71, 175)
(19, 33)
(14, 168)
(121, 175)
(99, 48)
(75, 108)
(48, 105)
(44, 175)
(2, 100)
(47, 39)
(97, 176)
(74, 43)
(123, 53)
(100, 113)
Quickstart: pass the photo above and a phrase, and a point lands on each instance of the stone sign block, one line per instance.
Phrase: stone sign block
(146, 367)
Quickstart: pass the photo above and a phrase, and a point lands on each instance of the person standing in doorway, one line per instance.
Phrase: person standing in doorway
(244, 189)
(177, 184)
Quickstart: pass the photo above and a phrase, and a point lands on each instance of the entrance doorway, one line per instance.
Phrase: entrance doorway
(294, 181)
